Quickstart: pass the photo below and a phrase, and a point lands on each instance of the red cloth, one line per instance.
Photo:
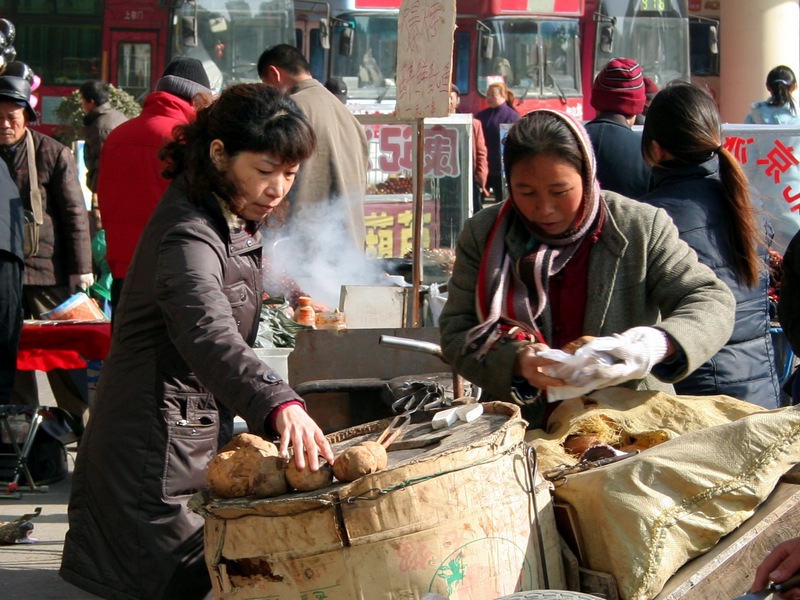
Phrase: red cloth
(62, 345)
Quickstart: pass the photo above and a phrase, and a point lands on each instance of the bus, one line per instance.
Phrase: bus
(356, 41)
(129, 42)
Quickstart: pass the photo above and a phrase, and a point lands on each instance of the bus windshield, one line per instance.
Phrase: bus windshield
(229, 40)
(364, 55)
(655, 33)
(536, 57)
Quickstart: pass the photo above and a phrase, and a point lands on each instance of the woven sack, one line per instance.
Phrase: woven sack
(642, 518)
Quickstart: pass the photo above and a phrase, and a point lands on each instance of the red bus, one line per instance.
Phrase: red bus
(129, 42)
(549, 51)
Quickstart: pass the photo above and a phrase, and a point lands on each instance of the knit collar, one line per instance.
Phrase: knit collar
(234, 222)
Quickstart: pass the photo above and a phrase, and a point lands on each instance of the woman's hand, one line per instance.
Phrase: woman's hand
(309, 443)
(527, 366)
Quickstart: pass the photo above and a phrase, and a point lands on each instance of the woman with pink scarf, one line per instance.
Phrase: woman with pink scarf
(564, 265)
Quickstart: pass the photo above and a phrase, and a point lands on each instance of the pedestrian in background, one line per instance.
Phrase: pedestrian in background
(46, 174)
(130, 183)
(99, 119)
(705, 191)
(650, 91)
(789, 306)
(618, 95)
(331, 186)
(780, 108)
(337, 87)
(480, 161)
(500, 111)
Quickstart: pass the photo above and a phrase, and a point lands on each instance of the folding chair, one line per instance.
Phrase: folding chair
(20, 453)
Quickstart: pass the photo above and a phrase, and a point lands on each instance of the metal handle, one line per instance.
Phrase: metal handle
(409, 344)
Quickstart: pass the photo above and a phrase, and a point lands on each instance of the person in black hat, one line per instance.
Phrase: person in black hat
(130, 184)
(61, 262)
(338, 88)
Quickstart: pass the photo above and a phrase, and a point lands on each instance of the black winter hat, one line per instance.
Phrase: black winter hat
(184, 77)
(18, 91)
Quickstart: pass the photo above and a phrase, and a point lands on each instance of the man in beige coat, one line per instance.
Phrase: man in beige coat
(333, 182)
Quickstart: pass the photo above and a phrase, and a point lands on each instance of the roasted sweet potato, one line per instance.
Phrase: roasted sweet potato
(308, 480)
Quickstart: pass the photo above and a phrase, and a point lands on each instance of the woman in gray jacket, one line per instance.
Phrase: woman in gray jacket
(188, 313)
(561, 262)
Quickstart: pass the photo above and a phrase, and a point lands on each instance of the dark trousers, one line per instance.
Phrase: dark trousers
(68, 386)
(10, 321)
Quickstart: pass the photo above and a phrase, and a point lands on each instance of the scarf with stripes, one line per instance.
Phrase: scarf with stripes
(502, 299)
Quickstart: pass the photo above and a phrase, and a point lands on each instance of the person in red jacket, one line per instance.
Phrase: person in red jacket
(130, 183)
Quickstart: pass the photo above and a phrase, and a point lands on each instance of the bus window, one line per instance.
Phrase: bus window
(461, 61)
(703, 60)
(134, 62)
(369, 70)
(535, 57)
(231, 39)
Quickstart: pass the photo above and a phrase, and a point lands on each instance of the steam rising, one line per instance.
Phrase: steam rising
(318, 254)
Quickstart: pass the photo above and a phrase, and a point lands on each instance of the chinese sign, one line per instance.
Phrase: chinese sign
(391, 150)
(770, 157)
(389, 228)
(424, 58)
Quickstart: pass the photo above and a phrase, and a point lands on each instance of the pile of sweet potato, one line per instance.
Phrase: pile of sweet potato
(250, 466)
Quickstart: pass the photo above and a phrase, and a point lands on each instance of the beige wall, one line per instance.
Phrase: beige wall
(756, 35)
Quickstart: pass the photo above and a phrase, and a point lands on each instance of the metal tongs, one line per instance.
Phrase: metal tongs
(559, 474)
(422, 396)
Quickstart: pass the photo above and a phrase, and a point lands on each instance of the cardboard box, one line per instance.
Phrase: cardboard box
(455, 522)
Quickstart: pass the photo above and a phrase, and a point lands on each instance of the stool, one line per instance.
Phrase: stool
(21, 453)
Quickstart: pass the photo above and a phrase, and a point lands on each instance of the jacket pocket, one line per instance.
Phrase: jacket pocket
(191, 444)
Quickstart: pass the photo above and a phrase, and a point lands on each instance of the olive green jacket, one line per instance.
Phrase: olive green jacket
(640, 273)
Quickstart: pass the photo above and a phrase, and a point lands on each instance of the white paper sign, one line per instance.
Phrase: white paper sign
(424, 58)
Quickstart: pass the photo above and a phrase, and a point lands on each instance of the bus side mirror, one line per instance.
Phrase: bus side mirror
(324, 34)
(346, 42)
(189, 31)
(607, 39)
(713, 39)
(487, 47)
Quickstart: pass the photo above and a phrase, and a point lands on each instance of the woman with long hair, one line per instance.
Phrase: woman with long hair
(704, 189)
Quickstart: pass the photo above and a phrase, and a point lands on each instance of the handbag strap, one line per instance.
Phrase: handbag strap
(33, 178)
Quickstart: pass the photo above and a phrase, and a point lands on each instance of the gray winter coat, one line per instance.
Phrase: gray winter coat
(188, 313)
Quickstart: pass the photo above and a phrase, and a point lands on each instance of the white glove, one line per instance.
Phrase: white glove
(634, 353)
(81, 282)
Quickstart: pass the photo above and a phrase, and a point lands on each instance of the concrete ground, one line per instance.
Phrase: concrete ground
(31, 570)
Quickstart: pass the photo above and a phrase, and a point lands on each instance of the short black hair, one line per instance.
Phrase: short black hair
(284, 57)
(94, 91)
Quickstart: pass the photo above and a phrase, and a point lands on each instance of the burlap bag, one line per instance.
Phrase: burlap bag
(642, 518)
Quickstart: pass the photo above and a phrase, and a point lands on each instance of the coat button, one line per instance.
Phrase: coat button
(242, 296)
(249, 242)
(271, 376)
(232, 249)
